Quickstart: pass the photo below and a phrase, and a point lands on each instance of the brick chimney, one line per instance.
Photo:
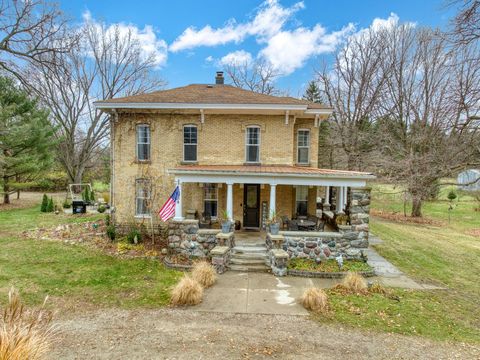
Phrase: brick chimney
(219, 78)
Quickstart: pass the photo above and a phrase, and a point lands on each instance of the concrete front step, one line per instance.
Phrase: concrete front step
(253, 256)
(247, 262)
(249, 249)
(250, 243)
(249, 268)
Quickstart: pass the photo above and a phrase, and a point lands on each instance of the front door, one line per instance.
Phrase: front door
(251, 205)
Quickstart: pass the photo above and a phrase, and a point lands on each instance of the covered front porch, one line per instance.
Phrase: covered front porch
(248, 195)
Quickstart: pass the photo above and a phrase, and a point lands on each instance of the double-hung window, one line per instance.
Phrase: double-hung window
(301, 200)
(303, 146)
(252, 144)
(190, 143)
(210, 200)
(142, 197)
(143, 142)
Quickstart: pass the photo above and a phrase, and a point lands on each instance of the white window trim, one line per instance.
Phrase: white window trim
(138, 143)
(216, 199)
(303, 147)
(259, 143)
(183, 147)
(137, 215)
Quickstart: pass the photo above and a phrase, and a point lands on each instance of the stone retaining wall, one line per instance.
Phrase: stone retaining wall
(185, 237)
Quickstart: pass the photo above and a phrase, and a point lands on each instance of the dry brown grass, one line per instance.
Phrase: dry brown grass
(24, 334)
(187, 292)
(204, 273)
(354, 282)
(315, 299)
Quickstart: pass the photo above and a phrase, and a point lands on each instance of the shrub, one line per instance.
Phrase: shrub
(43, 207)
(50, 206)
(67, 204)
(111, 232)
(101, 209)
(123, 247)
(134, 236)
(315, 299)
(106, 197)
(107, 220)
(452, 195)
(24, 334)
(354, 283)
(86, 195)
(204, 273)
(187, 292)
(92, 196)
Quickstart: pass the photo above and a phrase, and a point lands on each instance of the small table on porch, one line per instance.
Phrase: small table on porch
(305, 225)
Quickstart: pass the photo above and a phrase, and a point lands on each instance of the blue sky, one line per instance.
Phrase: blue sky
(193, 38)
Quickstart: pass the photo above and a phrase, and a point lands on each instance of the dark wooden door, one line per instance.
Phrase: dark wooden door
(251, 205)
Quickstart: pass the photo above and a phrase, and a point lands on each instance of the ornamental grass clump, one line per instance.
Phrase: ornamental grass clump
(187, 292)
(315, 299)
(354, 283)
(24, 334)
(204, 273)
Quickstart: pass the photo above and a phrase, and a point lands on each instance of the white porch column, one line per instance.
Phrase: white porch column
(339, 199)
(273, 196)
(344, 197)
(178, 208)
(230, 200)
(327, 195)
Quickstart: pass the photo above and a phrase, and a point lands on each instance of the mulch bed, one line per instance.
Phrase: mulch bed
(179, 262)
(92, 234)
(398, 217)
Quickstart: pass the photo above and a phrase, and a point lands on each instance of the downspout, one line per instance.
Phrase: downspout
(113, 120)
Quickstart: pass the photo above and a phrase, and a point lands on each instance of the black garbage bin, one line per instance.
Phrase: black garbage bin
(79, 207)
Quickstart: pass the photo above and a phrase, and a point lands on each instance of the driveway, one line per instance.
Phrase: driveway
(189, 334)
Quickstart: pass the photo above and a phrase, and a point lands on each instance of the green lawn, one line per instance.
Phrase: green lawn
(74, 274)
(442, 255)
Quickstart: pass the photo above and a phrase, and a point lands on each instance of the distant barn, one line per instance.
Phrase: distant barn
(469, 180)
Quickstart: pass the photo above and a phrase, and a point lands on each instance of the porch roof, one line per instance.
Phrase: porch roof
(270, 174)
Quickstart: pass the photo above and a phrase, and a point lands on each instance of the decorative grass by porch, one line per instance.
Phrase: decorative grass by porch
(329, 266)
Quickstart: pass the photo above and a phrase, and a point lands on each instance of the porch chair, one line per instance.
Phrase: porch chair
(292, 225)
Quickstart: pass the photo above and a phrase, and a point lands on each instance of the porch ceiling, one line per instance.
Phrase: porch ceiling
(270, 174)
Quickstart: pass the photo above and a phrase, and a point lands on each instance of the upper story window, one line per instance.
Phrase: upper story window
(252, 144)
(303, 146)
(190, 143)
(143, 142)
(142, 197)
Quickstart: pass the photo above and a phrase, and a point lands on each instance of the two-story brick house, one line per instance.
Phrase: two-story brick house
(226, 148)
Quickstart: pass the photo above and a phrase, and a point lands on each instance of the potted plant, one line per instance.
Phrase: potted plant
(274, 223)
(226, 223)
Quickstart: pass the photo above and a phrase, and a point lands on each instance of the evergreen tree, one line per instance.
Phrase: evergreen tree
(43, 207)
(86, 195)
(26, 139)
(50, 206)
(312, 93)
(92, 196)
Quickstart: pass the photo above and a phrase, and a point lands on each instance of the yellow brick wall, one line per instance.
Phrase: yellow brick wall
(221, 140)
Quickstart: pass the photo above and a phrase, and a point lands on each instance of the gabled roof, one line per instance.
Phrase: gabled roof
(206, 94)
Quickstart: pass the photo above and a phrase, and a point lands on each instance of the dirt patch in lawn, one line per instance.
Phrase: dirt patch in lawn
(473, 232)
(186, 334)
(398, 217)
(29, 199)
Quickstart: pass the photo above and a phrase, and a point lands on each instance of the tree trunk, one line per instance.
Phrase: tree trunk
(6, 189)
(416, 206)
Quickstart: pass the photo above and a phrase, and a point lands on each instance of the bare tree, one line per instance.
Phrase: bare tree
(353, 88)
(426, 133)
(29, 30)
(106, 63)
(466, 23)
(258, 76)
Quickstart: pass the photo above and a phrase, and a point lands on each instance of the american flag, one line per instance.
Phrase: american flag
(168, 209)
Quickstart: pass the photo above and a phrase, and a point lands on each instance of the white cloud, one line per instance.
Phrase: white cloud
(269, 20)
(289, 50)
(150, 44)
(209, 59)
(236, 57)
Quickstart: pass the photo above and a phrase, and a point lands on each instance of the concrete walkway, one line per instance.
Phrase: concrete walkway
(263, 293)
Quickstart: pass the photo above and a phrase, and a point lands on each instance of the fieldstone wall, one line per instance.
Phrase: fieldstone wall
(185, 237)
(359, 216)
(319, 245)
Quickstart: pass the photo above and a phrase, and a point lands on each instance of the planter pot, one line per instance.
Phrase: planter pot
(226, 227)
(274, 228)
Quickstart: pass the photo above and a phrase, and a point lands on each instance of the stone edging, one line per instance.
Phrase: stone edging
(180, 267)
(326, 275)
